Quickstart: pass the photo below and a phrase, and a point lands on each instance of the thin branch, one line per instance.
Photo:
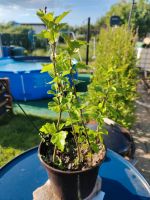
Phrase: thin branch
(81, 111)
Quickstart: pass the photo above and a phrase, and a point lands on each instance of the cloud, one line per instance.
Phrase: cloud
(34, 4)
(25, 10)
(13, 12)
(21, 10)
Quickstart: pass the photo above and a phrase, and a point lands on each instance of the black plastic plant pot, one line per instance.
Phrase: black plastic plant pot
(71, 185)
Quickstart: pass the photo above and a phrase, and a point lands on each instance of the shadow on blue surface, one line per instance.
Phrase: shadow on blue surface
(120, 180)
(122, 192)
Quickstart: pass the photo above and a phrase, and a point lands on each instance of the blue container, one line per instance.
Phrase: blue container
(17, 51)
(26, 81)
(6, 51)
(120, 180)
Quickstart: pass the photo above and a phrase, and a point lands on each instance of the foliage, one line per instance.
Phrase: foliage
(12, 28)
(81, 31)
(17, 35)
(66, 98)
(115, 76)
(140, 16)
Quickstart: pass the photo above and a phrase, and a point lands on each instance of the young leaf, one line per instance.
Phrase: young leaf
(51, 92)
(49, 17)
(40, 13)
(60, 17)
(58, 139)
(48, 128)
(48, 68)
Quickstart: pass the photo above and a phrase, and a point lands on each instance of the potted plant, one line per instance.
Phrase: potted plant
(70, 151)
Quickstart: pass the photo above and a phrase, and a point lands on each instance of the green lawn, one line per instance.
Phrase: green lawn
(17, 135)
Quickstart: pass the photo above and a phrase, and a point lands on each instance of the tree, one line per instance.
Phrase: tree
(140, 16)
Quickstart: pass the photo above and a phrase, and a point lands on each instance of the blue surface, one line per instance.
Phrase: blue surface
(26, 81)
(6, 51)
(120, 180)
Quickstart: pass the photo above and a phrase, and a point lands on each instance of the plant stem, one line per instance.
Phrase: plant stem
(76, 138)
(59, 119)
(56, 74)
(54, 154)
(81, 111)
(59, 87)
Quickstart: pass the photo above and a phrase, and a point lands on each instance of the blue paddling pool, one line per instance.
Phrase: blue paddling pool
(26, 81)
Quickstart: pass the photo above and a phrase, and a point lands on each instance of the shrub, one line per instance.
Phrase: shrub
(115, 76)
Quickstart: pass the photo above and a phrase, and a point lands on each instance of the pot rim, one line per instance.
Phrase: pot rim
(67, 171)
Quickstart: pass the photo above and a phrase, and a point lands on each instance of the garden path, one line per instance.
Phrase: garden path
(141, 132)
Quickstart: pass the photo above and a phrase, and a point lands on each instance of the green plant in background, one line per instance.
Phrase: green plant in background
(140, 19)
(115, 77)
(72, 143)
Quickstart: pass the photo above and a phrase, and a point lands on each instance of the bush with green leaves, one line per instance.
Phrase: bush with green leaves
(72, 144)
(115, 76)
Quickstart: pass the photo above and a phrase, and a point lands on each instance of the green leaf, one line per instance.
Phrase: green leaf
(75, 114)
(40, 13)
(60, 17)
(61, 126)
(60, 26)
(76, 43)
(81, 139)
(47, 35)
(100, 105)
(73, 45)
(66, 73)
(51, 92)
(55, 108)
(77, 128)
(51, 104)
(48, 128)
(68, 122)
(47, 68)
(94, 147)
(58, 139)
(49, 17)
(113, 88)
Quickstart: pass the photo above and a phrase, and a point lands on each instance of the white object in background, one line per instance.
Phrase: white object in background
(94, 49)
(139, 50)
(143, 55)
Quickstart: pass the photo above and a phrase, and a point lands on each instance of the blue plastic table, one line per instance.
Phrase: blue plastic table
(120, 180)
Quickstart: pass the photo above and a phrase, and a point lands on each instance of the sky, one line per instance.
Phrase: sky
(24, 11)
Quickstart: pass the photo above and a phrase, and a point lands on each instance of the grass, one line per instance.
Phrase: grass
(17, 134)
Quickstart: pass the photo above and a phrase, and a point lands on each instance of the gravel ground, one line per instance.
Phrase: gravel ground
(142, 132)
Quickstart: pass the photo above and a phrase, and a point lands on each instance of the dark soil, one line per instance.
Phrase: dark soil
(69, 159)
